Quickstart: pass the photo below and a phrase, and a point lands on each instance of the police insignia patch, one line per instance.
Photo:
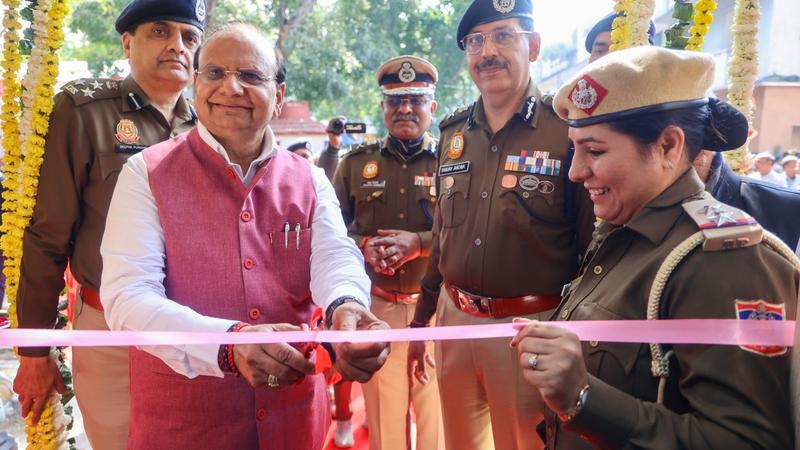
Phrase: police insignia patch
(456, 148)
(370, 170)
(761, 310)
(127, 133)
(504, 6)
(587, 94)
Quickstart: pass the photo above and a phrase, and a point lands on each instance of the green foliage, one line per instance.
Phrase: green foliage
(98, 42)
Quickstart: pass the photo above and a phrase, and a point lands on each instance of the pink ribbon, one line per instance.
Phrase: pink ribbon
(690, 331)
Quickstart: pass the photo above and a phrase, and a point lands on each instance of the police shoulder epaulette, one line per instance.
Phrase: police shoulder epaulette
(362, 148)
(87, 90)
(458, 115)
(724, 227)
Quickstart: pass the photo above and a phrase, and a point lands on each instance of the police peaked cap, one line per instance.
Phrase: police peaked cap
(192, 12)
(485, 11)
(605, 24)
(299, 145)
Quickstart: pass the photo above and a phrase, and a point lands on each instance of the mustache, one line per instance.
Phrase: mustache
(407, 117)
(492, 63)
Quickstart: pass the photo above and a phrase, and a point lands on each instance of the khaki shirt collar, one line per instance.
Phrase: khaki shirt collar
(528, 112)
(428, 145)
(134, 98)
(656, 219)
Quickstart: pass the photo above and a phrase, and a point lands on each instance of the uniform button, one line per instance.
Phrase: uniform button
(494, 148)
(248, 263)
(261, 414)
(402, 271)
(565, 314)
(246, 216)
(593, 343)
(484, 194)
(254, 313)
(597, 270)
(405, 166)
(477, 242)
(402, 190)
(401, 215)
(525, 195)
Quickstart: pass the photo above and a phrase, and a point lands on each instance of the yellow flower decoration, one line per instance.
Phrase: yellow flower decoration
(702, 23)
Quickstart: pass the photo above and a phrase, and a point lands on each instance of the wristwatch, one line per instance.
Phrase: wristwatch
(335, 304)
(583, 397)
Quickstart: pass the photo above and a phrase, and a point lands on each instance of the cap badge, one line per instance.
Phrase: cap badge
(587, 94)
(407, 72)
(456, 148)
(504, 6)
(127, 133)
(370, 170)
(200, 10)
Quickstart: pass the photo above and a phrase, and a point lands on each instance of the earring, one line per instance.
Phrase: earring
(669, 164)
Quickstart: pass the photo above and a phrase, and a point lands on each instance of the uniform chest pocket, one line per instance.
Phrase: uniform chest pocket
(368, 205)
(111, 163)
(541, 204)
(426, 204)
(613, 362)
(454, 199)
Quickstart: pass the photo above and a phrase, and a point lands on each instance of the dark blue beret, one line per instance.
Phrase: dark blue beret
(299, 145)
(192, 12)
(485, 11)
(605, 25)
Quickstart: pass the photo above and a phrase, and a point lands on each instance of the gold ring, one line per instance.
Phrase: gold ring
(272, 381)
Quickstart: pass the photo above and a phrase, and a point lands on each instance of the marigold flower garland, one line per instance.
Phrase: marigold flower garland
(630, 28)
(703, 16)
(742, 71)
(24, 151)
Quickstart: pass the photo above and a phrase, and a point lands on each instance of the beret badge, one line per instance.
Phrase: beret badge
(504, 6)
(200, 10)
(587, 94)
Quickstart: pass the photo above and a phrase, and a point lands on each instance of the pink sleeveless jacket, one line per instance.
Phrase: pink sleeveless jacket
(228, 255)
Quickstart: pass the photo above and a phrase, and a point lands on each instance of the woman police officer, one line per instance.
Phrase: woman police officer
(664, 249)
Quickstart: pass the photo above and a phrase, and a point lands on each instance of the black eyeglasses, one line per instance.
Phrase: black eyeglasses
(501, 38)
(244, 76)
(415, 101)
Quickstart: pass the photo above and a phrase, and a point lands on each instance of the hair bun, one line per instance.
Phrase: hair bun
(727, 129)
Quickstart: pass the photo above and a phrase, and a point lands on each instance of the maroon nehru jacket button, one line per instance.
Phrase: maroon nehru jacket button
(248, 263)
(261, 414)
(246, 216)
(231, 173)
(254, 314)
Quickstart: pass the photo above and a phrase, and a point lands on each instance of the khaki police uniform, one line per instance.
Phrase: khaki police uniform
(508, 224)
(379, 187)
(96, 124)
(715, 396)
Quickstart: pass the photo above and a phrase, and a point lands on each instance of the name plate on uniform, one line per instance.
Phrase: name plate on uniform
(374, 184)
(452, 169)
(129, 148)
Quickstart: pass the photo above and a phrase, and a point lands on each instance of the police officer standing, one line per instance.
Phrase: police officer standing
(95, 126)
(508, 231)
(329, 159)
(387, 194)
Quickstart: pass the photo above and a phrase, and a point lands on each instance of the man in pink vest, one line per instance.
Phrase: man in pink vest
(217, 230)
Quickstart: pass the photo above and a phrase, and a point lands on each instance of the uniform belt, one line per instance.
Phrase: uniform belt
(499, 307)
(395, 297)
(91, 297)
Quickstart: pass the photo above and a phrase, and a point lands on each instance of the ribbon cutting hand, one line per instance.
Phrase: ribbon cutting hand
(273, 365)
(395, 248)
(359, 361)
(37, 377)
(552, 361)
